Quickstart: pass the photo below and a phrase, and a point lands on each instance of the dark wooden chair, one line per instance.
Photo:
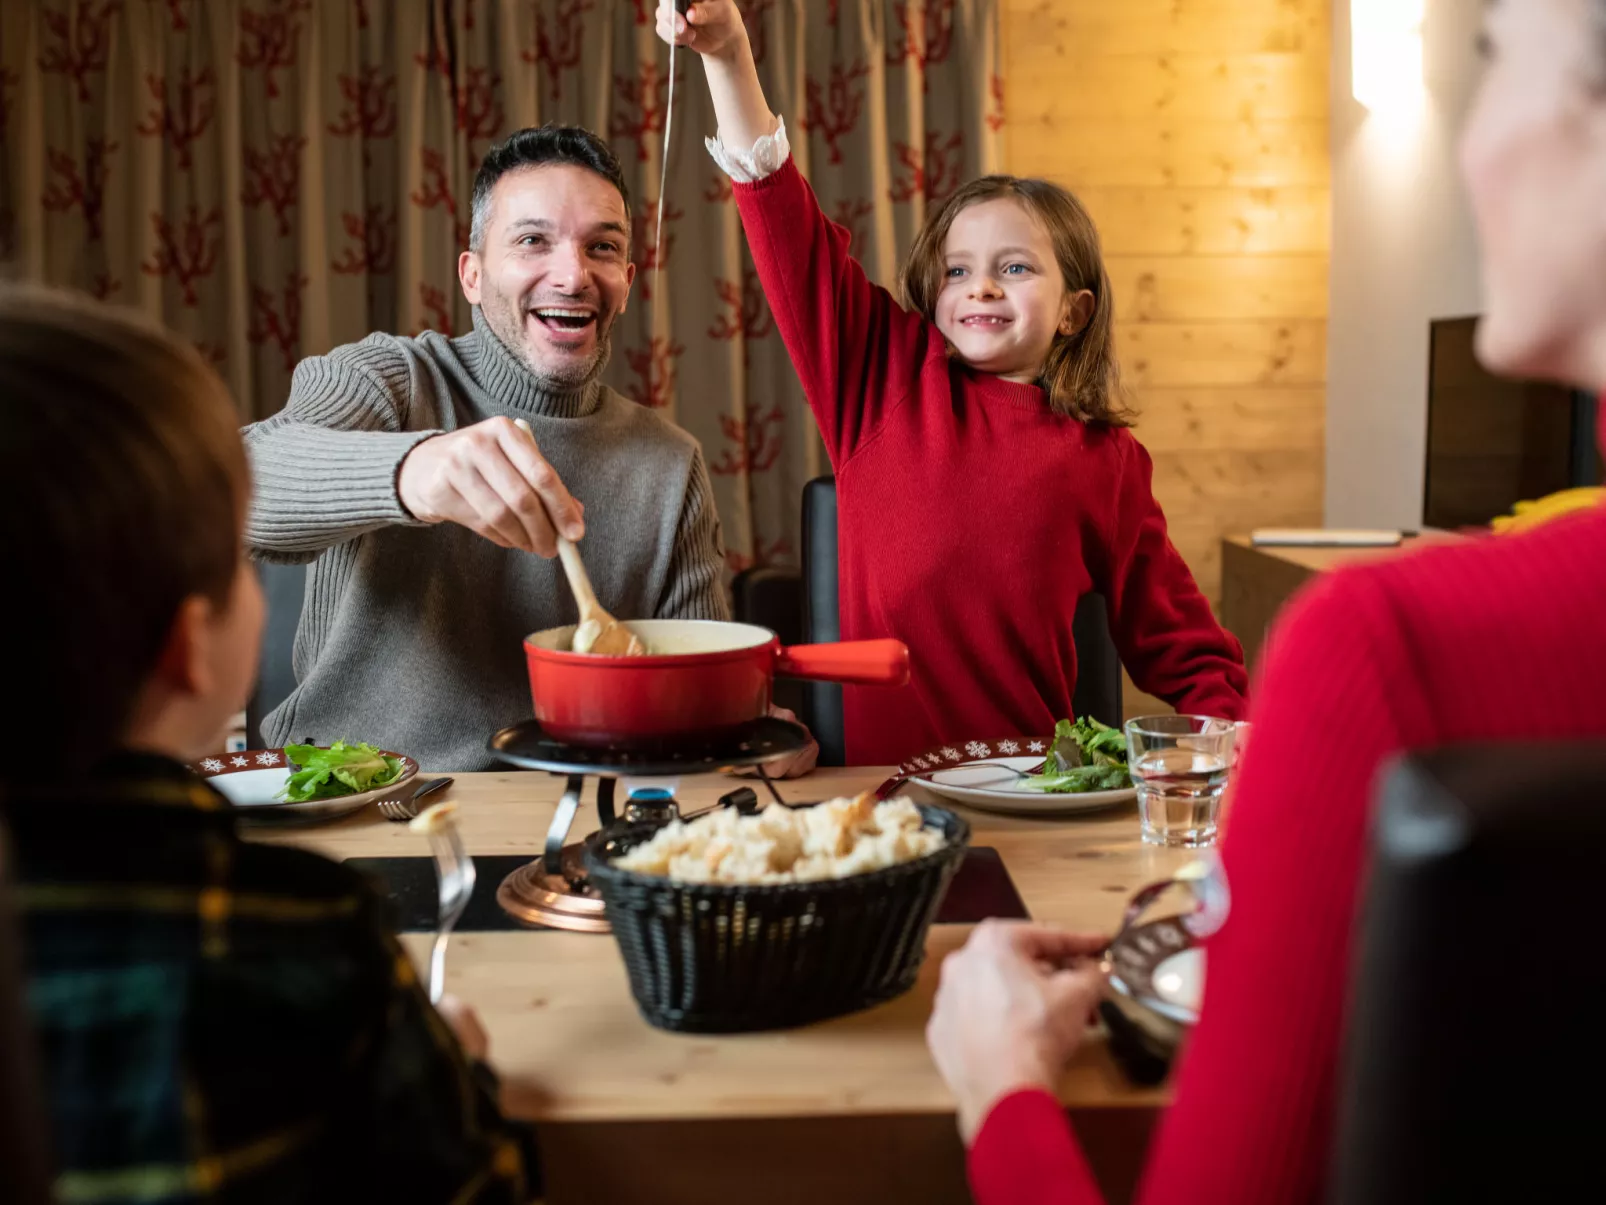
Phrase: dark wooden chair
(284, 587)
(1474, 1055)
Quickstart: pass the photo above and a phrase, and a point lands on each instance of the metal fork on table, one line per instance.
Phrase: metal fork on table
(455, 870)
(399, 811)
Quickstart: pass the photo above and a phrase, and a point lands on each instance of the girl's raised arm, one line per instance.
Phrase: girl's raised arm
(856, 351)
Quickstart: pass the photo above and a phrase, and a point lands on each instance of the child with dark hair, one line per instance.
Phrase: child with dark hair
(218, 1020)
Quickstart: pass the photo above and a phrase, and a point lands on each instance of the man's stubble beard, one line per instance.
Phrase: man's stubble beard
(506, 324)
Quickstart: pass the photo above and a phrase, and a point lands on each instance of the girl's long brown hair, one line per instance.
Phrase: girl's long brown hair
(1081, 375)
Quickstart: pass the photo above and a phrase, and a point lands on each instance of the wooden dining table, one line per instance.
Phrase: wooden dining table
(846, 1111)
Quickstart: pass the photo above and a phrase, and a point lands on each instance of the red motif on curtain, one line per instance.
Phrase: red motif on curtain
(370, 108)
(180, 120)
(927, 28)
(933, 173)
(276, 319)
(373, 234)
(833, 111)
(273, 177)
(186, 250)
(76, 41)
(85, 190)
(654, 370)
(641, 101)
(436, 192)
(757, 436)
(268, 39)
(558, 44)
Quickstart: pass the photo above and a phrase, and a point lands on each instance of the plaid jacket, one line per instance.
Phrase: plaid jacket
(228, 1022)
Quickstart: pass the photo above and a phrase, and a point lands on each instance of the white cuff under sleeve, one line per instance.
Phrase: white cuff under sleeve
(764, 158)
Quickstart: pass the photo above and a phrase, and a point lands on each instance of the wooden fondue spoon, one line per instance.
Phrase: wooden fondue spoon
(599, 632)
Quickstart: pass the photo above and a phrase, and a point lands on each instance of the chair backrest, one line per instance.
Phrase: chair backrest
(822, 616)
(1474, 1056)
(284, 587)
(1098, 676)
(24, 1150)
(772, 597)
(1098, 665)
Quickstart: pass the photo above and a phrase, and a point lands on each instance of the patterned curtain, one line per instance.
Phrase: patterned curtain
(274, 178)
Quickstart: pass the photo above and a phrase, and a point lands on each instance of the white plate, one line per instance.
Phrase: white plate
(251, 781)
(991, 789)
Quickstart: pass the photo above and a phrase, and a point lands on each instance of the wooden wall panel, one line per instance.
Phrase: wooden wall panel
(1196, 132)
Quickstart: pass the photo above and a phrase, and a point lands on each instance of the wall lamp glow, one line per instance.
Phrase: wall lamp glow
(1386, 53)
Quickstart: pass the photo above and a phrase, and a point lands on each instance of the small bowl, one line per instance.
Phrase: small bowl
(1157, 977)
(252, 779)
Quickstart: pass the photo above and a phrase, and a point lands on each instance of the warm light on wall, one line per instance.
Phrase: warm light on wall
(1386, 53)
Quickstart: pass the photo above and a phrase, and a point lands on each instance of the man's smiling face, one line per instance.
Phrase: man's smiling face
(553, 271)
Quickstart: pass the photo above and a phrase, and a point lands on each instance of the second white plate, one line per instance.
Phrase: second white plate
(958, 773)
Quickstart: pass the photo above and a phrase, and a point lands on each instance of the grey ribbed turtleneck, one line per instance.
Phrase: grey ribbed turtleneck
(410, 634)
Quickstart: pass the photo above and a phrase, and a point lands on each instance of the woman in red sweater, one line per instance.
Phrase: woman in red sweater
(986, 479)
(1495, 640)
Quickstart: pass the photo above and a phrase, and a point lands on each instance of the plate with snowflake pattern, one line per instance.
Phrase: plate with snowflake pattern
(992, 775)
(252, 778)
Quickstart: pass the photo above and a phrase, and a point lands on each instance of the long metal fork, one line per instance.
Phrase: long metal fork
(399, 811)
(455, 870)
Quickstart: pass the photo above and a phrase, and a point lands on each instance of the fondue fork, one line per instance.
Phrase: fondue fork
(456, 874)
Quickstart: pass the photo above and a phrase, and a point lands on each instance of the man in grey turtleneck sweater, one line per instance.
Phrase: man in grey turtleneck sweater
(397, 465)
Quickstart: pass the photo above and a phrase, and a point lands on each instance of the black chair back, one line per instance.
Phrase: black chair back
(1098, 665)
(772, 597)
(1474, 1058)
(284, 587)
(822, 617)
(24, 1151)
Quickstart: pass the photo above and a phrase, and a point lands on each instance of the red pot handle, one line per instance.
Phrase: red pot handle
(858, 662)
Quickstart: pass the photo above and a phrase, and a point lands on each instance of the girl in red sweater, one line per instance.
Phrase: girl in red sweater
(986, 478)
(1494, 640)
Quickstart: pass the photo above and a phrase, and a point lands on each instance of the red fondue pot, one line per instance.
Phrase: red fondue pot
(699, 678)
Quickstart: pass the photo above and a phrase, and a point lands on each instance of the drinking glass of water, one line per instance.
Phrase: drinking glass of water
(1179, 766)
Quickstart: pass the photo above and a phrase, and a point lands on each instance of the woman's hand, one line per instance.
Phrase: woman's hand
(712, 28)
(1010, 1012)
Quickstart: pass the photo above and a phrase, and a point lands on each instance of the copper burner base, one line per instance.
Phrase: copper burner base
(554, 901)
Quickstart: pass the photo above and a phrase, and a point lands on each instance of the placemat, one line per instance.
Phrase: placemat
(981, 888)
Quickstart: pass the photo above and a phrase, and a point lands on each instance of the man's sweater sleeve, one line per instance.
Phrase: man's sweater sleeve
(694, 589)
(324, 468)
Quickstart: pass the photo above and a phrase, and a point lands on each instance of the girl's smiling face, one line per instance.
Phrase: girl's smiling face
(1003, 300)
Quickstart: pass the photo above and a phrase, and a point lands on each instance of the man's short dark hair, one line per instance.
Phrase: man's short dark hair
(538, 146)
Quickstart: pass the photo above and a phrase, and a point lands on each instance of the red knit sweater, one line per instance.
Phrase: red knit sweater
(971, 518)
(1497, 640)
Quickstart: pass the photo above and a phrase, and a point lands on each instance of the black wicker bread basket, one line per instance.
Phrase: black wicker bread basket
(721, 958)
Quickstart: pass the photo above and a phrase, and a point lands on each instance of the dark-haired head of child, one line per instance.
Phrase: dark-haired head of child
(124, 488)
(1011, 272)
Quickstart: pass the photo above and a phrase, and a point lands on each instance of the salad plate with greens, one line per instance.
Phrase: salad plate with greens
(1080, 768)
(307, 782)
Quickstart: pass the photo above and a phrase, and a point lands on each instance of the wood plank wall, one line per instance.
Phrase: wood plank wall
(1196, 133)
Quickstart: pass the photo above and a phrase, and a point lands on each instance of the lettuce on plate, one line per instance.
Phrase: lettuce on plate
(1085, 756)
(341, 769)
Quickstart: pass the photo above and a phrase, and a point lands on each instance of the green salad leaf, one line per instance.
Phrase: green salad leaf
(1085, 756)
(341, 769)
